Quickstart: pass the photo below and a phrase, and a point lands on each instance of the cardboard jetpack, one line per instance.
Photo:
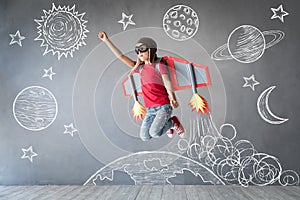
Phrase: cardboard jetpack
(183, 75)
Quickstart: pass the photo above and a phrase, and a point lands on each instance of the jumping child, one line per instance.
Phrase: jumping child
(157, 89)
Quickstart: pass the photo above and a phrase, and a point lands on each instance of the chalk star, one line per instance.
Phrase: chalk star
(28, 153)
(69, 129)
(250, 82)
(49, 73)
(16, 38)
(126, 20)
(279, 13)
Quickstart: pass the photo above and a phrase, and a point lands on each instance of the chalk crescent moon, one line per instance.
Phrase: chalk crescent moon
(264, 109)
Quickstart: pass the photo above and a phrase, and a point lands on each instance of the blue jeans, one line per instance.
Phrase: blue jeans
(156, 122)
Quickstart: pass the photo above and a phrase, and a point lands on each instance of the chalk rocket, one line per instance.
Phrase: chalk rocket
(183, 75)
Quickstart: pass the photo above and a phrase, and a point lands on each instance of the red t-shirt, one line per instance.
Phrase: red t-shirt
(153, 89)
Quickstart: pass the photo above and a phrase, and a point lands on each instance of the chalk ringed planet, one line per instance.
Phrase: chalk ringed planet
(246, 44)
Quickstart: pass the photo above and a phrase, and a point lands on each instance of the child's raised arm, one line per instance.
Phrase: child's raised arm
(115, 50)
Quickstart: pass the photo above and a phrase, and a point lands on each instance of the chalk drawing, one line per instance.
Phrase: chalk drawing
(126, 20)
(16, 38)
(289, 178)
(279, 13)
(35, 108)
(49, 73)
(250, 82)
(154, 164)
(28, 153)
(180, 22)
(240, 161)
(171, 165)
(246, 44)
(203, 135)
(69, 129)
(215, 156)
(62, 30)
(237, 161)
(264, 109)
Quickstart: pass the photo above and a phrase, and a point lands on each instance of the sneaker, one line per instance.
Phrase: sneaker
(178, 127)
(170, 133)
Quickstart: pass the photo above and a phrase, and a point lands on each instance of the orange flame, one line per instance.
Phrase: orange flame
(138, 111)
(199, 104)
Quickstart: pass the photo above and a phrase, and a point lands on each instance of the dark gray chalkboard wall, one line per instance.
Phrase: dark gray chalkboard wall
(106, 135)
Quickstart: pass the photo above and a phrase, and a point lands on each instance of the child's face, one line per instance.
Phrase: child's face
(144, 56)
(142, 51)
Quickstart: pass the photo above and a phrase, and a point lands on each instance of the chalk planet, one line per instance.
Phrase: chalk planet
(180, 22)
(35, 108)
(246, 44)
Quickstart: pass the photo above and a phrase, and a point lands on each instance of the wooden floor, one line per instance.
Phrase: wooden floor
(155, 192)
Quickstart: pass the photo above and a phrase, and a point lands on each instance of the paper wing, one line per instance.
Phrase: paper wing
(179, 73)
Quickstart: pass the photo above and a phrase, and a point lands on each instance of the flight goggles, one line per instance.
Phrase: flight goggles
(141, 48)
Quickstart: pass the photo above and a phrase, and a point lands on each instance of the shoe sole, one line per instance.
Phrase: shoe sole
(170, 135)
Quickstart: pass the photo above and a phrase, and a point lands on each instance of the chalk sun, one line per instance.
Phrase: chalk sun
(62, 30)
